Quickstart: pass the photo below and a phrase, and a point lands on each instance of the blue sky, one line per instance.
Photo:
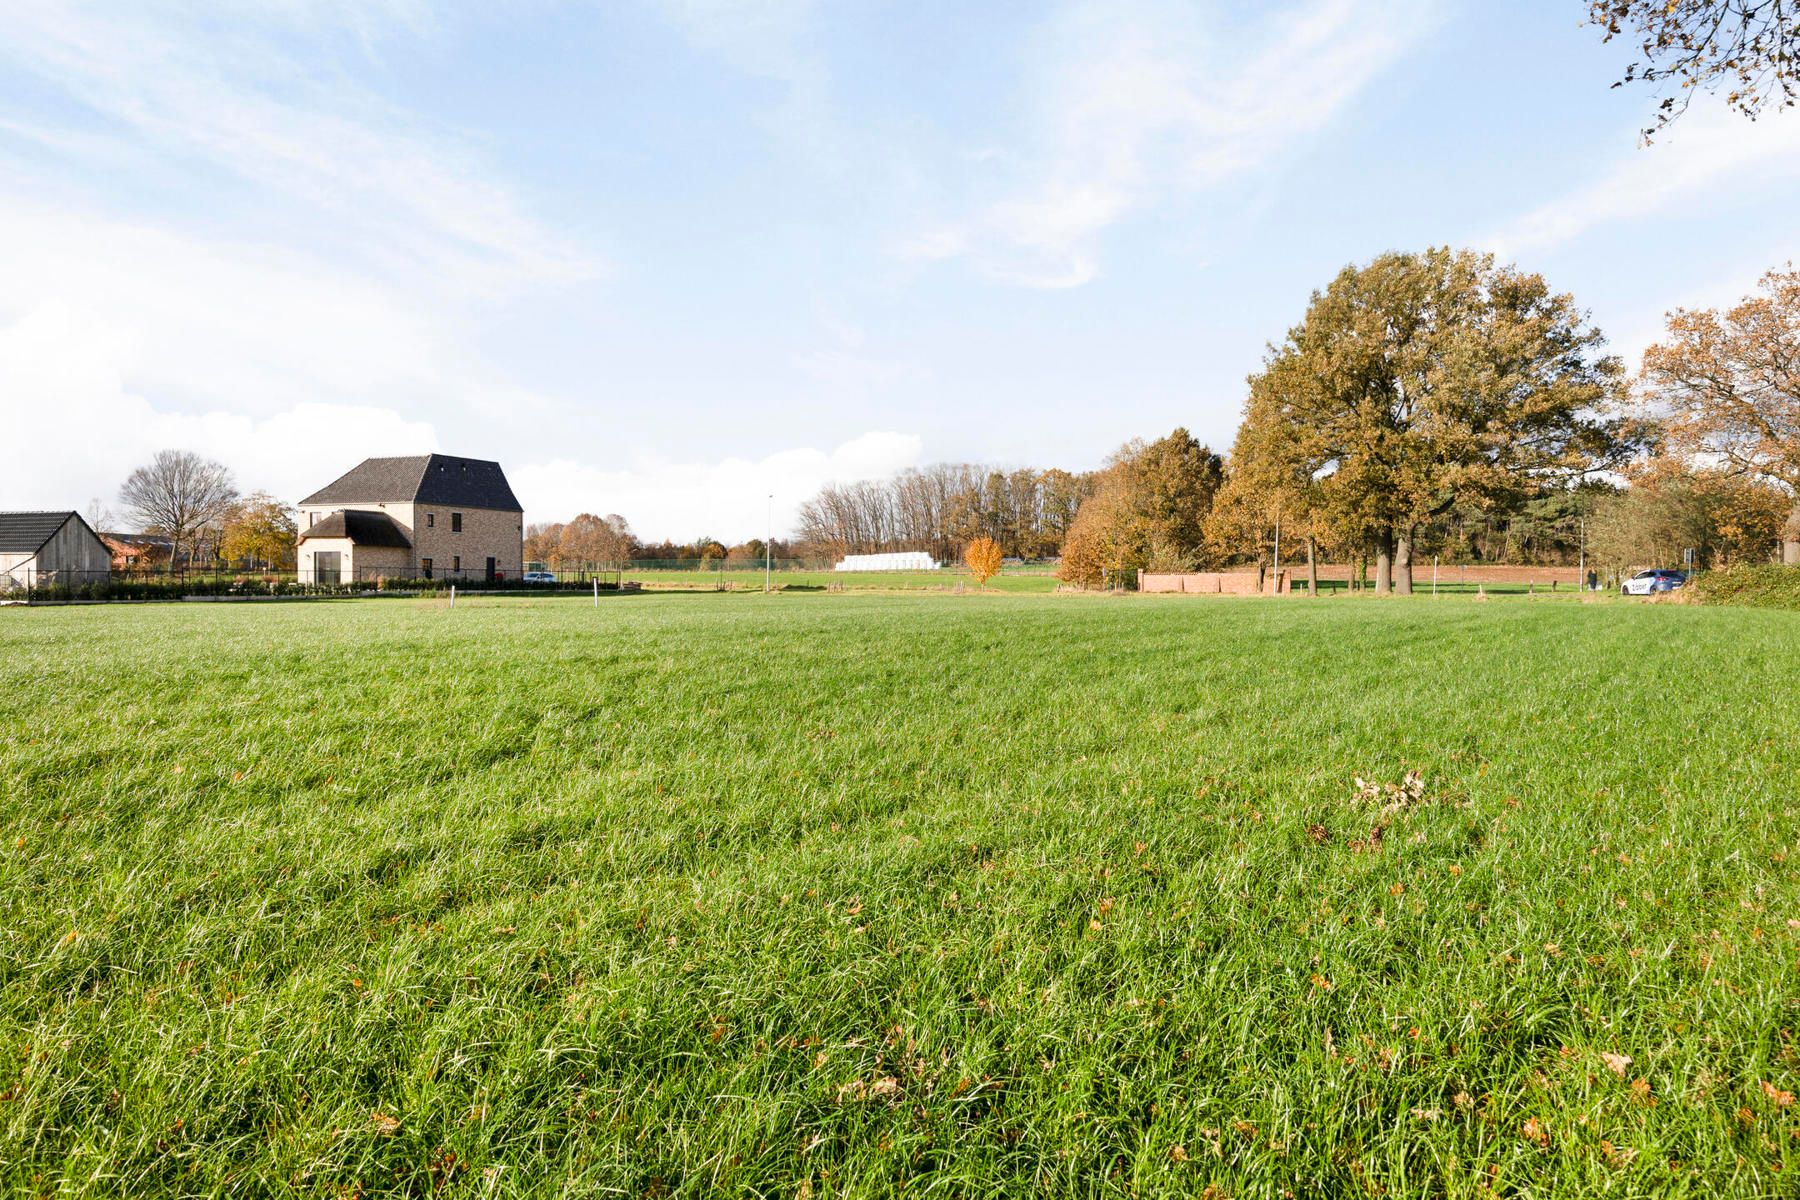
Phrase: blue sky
(665, 257)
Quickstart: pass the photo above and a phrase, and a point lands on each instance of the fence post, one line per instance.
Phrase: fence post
(453, 595)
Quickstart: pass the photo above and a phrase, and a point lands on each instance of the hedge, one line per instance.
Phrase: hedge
(1764, 586)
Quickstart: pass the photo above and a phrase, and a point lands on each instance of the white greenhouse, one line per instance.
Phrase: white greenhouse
(912, 560)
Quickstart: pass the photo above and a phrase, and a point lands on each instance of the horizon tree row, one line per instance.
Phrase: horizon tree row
(941, 508)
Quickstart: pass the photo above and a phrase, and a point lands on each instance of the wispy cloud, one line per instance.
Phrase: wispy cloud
(1133, 103)
(772, 40)
(1707, 155)
(223, 95)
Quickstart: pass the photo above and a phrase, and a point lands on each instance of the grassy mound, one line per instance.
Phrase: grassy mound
(1760, 586)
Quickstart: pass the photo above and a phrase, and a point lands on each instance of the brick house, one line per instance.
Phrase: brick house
(428, 516)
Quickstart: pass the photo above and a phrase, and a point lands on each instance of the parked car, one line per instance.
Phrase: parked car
(539, 577)
(1648, 583)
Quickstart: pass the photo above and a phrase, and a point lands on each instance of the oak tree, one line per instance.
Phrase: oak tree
(260, 530)
(1727, 387)
(1148, 509)
(1421, 380)
(1750, 48)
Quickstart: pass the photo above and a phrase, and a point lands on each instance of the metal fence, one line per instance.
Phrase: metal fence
(56, 586)
(682, 564)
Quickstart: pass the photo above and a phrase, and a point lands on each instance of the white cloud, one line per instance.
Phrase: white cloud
(75, 424)
(227, 93)
(1136, 102)
(311, 304)
(726, 500)
(1710, 152)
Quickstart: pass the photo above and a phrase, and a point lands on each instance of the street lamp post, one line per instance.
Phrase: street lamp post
(1277, 584)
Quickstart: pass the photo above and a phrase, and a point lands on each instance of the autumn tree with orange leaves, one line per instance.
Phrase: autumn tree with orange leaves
(982, 557)
(1727, 388)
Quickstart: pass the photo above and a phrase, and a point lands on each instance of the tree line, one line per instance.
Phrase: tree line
(589, 542)
(941, 508)
(1437, 404)
(193, 504)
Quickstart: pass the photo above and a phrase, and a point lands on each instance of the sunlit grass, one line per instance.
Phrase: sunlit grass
(828, 895)
(1017, 579)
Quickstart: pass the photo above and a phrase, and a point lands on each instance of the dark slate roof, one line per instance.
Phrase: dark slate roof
(363, 528)
(26, 532)
(423, 479)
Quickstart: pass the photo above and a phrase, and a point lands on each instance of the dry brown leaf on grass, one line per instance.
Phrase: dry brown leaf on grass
(884, 1088)
(1616, 1063)
(1393, 797)
(1535, 1132)
(1777, 1097)
(383, 1124)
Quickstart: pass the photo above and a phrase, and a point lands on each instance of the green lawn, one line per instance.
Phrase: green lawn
(819, 895)
(1024, 580)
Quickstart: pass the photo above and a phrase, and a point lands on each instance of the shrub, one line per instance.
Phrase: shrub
(1764, 586)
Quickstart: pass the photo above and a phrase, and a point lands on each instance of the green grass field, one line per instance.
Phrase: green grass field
(1026, 580)
(820, 895)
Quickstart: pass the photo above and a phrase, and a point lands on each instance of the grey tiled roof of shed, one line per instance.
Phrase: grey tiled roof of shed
(422, 479)
(362, 527)
(26, 532)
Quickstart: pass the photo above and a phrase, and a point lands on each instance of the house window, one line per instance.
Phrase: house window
(456, 562)
(312, 519)
(425, 567)
(431, 520)
(455, 522)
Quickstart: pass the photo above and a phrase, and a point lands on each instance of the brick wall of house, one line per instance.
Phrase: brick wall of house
(485, 532)
(363, 564)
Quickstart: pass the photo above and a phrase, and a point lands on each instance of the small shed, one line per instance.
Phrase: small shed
(40, 549)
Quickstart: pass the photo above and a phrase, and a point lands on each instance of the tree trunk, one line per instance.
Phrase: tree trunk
(1790, 546)
(1384, 563)
(1403, 580)
(1312, 567)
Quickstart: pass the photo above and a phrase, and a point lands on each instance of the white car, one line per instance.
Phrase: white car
(1650, 583)
(539, 577)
